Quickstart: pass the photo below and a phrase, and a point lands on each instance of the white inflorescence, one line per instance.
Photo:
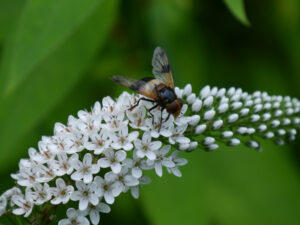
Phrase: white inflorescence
(102, 153)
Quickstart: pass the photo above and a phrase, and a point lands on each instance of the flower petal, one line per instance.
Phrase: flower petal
(158, 169)
(120, 155)
(104, 208)
(87, 159)
(83, 204)
(116, 168)
(136, 172)
(104, 162)
(109, 198)
(95, 217)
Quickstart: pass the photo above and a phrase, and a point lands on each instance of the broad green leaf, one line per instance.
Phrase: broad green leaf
(9, 12)
(52, 78)
(257, 188)
(42, 28)
(237, 8)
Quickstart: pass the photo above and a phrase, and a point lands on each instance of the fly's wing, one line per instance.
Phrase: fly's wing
(145, 86)
(161, 67)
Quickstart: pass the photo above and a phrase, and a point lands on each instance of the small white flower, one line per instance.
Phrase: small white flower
(178, 162)
(25, 206)
(84, 169)
(205, 92)
(209, 115)
(36, 156)
(251, 130)
(146, 147)
(123, 140)
(233, 118)
(166, 128)
(44, 149)
(137, 118)
(197, 105)
(62, 144)
(8, 194)
(200, 129)
(234, 142)
(74, 217)
(194, 120)
(137, 165)
(112, 159)
(253, 144)
(135, 190)
(187, 89)
(99, 142)
(3, 204)
(178, 135)
(107, 188)
(193, 145)
(223, 108)
(85, 194)
(266, 116)
(269, 134)
(94, 212)
(89, 123)
(45, 174)
(242, 130)
(40, 193)
(262, 127)
(221, 92)
(212, 147)
(226, 134)
(236, 105)
(281, 132)
(254, 118)
(286, 121)
(184, 146)
(231, 91)
(61, 192)
(191, 98)
(124, 179)
(257, 108)
(208, 140)
(114, 122)
(63, 165)
(244, 112)
(162, 160)
(208, 101)
(26, 176)
(217, 124)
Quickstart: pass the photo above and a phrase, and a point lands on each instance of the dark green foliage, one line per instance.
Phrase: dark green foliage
(57, 57)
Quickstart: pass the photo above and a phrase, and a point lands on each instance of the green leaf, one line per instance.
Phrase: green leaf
(53, 76)
(257, 188)
(9, 12)
(42, 28)
(237, 8)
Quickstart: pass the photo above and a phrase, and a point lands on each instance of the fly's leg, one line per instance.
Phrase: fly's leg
(167, 117)
(138, 102)
(155, 106)
(162, 109)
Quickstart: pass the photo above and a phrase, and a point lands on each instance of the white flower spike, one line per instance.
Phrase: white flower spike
(123, 143)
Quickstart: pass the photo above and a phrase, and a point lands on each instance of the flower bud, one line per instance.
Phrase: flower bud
(191, 98)
(208, 115)
(197, 105)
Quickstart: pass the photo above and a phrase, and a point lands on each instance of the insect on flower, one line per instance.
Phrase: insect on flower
(159, 90)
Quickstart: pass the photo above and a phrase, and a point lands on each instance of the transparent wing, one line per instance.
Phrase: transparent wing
(145, 86)
(161, 67)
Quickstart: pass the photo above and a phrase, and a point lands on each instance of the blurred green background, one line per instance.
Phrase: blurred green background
(57, 57)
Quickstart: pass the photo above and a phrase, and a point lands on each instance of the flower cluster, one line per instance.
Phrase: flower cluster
(103, 153)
